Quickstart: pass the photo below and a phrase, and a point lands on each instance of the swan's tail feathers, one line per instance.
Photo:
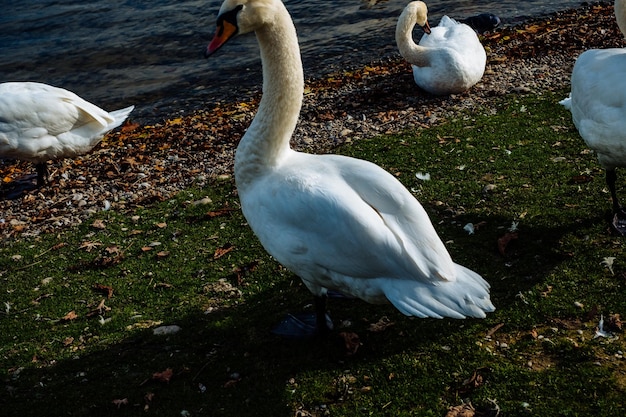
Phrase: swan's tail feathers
(468, 296)
(567, 102)
(119, 116)
(447, 21)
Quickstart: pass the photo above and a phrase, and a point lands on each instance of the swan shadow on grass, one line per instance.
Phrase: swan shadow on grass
(228, 360)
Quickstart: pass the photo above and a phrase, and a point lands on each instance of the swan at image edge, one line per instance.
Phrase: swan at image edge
(39, 123)
(449, 58)
(598, 105)
(339, 223)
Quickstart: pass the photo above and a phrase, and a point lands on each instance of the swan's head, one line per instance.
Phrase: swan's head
(237, 17)
(419, 12)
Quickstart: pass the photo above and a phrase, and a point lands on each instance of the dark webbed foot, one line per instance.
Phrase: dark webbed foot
(306, 325)
(618, 224)
(302, 326)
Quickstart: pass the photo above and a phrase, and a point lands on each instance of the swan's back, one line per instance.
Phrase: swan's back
(39, 122)
(457, 57)
(451, 34)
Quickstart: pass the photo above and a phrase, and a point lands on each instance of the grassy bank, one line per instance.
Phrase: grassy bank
(79, 308)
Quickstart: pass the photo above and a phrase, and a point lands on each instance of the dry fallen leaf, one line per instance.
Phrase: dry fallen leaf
(351, 342)
(382, 324)
(70, 316)
(98, 224)
(463, 410)
(100, 309)
(164, 376)
(476, 380)
(113, 250)
(494, 329)
(219, 252)
(129, 127)
(230, 383)
(241, 271)
(121, 402)
(89, 246)
(220, 212)
(504, 241)
(104, 289)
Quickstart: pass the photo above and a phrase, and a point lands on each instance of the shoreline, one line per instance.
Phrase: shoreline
(141, 164)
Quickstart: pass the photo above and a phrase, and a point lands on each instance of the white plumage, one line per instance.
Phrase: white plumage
(449, 58)
(339, 223)
(598, 105)
(39, 123)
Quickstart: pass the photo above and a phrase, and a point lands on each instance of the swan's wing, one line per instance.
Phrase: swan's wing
(598, 100)
(40, 105)
(347, 217)
(449, 32)
(458, 37)
(403, 216)
(40, 122)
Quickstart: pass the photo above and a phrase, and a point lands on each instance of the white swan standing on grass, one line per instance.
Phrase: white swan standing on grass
(598, 105)
(449, 58)
(339, 223)
(39, 123)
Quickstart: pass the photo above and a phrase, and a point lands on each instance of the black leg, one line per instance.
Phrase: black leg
(320, 314)
(618, 224)
(611, 178)
(42, 174)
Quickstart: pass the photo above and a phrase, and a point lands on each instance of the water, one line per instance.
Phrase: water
(150, 52)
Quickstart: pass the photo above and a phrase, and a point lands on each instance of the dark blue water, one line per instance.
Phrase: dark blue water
(149, 52)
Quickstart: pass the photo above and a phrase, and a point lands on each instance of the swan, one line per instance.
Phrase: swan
(339, 223)
(449, 58)
(597, 102)
(39, 123)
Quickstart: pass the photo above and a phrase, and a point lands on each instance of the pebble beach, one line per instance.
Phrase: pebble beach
(140, 164)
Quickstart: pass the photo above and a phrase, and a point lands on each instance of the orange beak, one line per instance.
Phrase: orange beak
(426, 27)
(225, 31)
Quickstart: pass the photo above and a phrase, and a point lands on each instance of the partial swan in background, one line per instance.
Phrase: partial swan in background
(449, 58)
(339, 223)
(39, 123)
(598, 105)
(482, 23)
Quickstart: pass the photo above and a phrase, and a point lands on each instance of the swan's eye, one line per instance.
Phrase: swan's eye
(230, 17)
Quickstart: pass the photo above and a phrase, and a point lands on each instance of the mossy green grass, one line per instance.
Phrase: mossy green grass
(520, 175)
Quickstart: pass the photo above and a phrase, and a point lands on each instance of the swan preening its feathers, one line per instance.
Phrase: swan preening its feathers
(449, 58)
(39, 123)
(598, 105)
(339, 223)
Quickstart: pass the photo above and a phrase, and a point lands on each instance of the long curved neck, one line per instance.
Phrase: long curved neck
(267, 140)
(412, 52)
(620, 15)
